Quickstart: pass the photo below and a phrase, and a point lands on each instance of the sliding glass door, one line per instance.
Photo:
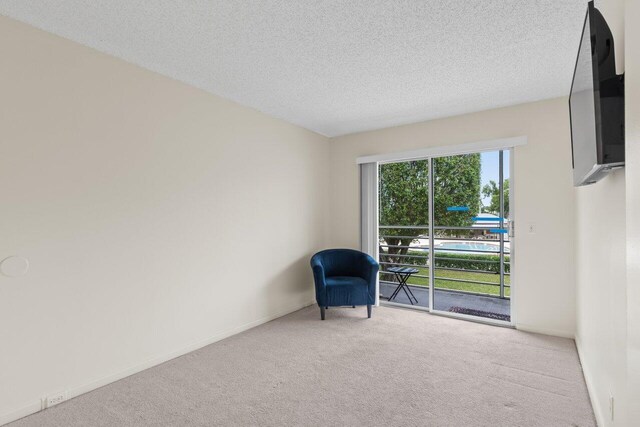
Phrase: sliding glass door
(404, 232)
(444, 234)
(471, 243)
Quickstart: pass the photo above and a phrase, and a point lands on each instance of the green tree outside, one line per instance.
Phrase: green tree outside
(404, 198)
(456, 183)
(492, 191)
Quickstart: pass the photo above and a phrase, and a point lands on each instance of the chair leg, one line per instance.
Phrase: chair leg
(322, 313)
(369, 311)
(353, 306)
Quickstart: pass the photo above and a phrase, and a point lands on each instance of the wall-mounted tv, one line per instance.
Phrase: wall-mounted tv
(596, 104)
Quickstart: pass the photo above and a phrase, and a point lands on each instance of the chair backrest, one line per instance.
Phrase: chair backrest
(341, 262)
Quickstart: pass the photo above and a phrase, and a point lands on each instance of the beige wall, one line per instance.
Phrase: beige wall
(601, 271)
(156, 217)
(601, 291)
(632, 171)
(543, 195)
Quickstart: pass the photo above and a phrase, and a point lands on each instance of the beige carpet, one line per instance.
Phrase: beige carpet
(400, 368)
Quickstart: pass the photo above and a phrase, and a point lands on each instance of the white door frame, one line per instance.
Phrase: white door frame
(505, 144)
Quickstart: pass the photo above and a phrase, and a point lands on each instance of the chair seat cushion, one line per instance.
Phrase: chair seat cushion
(345, 281)
(346, 290)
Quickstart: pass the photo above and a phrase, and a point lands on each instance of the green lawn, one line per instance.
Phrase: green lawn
(442, 275)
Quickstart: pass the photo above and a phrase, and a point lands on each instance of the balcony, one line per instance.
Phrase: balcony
(471, 269)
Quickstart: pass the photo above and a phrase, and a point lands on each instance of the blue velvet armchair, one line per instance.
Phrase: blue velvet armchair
(344, 277)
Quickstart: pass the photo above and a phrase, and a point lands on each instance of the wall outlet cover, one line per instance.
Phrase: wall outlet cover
(54, 399)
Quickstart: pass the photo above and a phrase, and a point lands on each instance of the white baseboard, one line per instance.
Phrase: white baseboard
(29, 409)
(586, 372)
(36, 406)
(544, 331)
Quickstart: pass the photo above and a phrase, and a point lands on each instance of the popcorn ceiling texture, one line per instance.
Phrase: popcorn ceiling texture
(336, 66)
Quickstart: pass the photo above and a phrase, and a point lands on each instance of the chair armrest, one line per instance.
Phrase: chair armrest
(319, 280)
(318, 274)
(370, 269)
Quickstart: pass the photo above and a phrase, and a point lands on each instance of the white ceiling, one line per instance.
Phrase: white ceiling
(336, 67)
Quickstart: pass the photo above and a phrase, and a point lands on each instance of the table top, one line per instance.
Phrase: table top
(403, 270)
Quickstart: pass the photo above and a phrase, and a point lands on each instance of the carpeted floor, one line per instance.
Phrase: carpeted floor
(400, 368)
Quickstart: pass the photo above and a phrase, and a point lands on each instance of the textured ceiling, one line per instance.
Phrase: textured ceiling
(336, 67)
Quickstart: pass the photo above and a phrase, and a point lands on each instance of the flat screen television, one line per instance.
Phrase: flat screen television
(596, 104)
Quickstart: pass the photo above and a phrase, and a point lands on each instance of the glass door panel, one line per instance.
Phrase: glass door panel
(404, 232)
(470, 235)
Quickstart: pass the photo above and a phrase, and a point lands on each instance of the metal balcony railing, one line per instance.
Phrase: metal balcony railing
(418, 256)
